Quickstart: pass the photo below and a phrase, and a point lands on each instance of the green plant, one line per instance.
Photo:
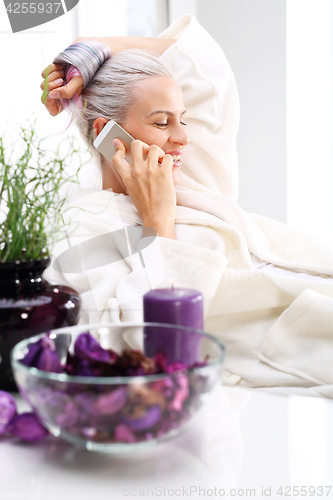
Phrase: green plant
(32, 193)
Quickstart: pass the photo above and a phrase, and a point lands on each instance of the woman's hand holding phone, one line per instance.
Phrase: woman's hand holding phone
(149, 183)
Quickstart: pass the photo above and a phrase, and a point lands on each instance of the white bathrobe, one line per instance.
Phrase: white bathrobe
(268, 289)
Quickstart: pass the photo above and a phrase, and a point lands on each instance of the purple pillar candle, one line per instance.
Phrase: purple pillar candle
(177, 306)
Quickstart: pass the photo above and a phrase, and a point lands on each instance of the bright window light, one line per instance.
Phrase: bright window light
(309, 104)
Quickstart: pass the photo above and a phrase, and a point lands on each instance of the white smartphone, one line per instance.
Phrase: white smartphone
(104, 141)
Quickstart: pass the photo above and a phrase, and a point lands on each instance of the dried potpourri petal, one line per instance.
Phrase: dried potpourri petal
(148, 420)
(141, 394)
(70, 415)
(111, 403)
(33, 353)
(165, 387)
(160, 362)
(86, 347)
(176, 366)
(27, 427)
(85, 402)
(90, 359)
(80, 367)
(48, 361)
(128, 364)
(181, 394)
(43, 355)
(124, 434)
(89, 432)
(136, 363)
(8, 410)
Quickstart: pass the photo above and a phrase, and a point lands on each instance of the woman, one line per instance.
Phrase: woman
(267, 288)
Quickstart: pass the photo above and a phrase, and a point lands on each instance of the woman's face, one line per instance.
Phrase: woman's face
(157, 117)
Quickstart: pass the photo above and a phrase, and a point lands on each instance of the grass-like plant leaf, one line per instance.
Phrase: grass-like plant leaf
(32, 195)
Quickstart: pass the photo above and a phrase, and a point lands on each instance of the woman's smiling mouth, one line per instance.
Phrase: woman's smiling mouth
(176, 161)
(176, 157)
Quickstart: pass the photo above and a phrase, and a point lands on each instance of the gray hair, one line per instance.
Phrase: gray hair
(111, 92)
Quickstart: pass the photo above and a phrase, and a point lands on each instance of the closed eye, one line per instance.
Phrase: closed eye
(166, 124)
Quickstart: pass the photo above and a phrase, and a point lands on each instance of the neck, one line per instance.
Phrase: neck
(111, 179)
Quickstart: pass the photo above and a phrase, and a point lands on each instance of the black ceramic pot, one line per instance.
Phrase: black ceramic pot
(30, 305)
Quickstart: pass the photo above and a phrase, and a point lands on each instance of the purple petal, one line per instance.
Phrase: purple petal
(42, 355)
(7, 410)
(89, 432)
(87, 347)
(161, 362)
(48, 361)
(27, 427)
(69, 417)
(176, 366)
(111, 403)
(151, 418)
(48, 343)
(33, 353)
(180, 394)
(124, 433)
(83, 368)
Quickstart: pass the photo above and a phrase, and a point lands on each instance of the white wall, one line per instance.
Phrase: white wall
(178, 8)
(252, 34)
(25, 54)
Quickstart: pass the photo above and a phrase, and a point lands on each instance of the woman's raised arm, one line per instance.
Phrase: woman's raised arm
(54, 74)
(117, 44)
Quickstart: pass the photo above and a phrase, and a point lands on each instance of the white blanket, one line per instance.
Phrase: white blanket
(276, 326)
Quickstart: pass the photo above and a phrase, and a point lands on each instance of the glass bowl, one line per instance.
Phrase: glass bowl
(120, 414)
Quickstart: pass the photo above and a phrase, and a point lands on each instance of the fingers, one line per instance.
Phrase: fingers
(53, 106)
(139, 149)
(119, 161)
(141, 152)
(167, 162)
(75, 85)
(143, 157)
(54, 89)
(51, 68)
(155, 157)
(52, 79)
(52, 86)
(119, 158)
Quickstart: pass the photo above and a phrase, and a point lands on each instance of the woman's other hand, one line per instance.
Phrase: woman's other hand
(54, 90)
(149, 183)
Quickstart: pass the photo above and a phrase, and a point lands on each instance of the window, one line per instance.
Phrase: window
(309, 117)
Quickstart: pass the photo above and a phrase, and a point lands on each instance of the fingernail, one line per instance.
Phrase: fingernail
(59, 81)
(116, 143)
(54, 95)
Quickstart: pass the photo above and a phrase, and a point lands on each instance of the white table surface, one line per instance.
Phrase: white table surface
(245, 444)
